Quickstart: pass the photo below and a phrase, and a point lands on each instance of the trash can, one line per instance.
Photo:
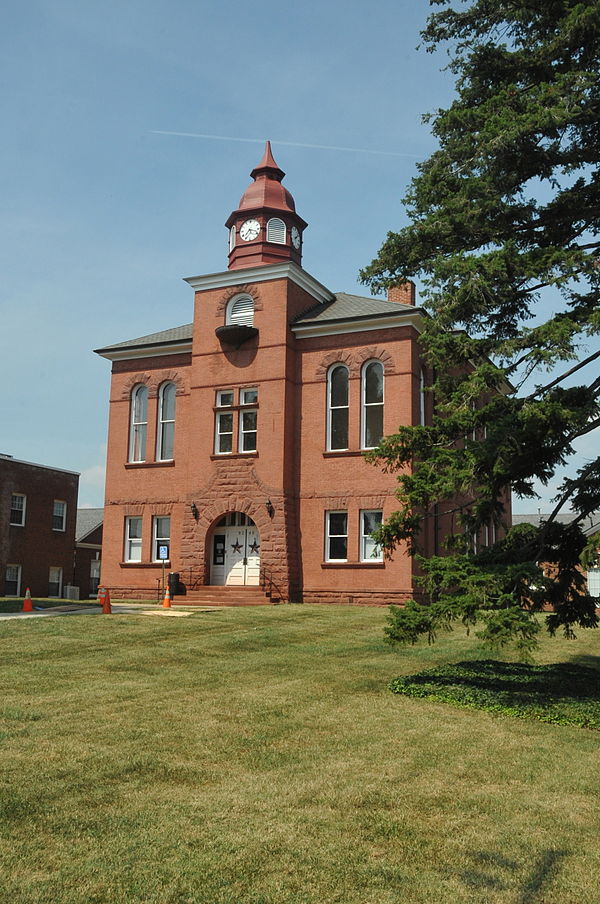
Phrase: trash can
(173, 581)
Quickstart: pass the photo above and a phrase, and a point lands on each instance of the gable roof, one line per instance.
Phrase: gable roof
(87, 521)
(172, 338)
(589, 525)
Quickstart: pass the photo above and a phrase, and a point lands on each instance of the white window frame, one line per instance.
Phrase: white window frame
(163, 422)
(23, 510)
(367, 405)
(593, 582)
(329, 536)
(138, 427)
(58, 570)
(276, 231)
(56, 515)
(19, 577)
(219, 433)
(366, 537)
(244, 316)
(162, 540)
(331, 408)
(247, 391)
(243, 432)
(132, 543)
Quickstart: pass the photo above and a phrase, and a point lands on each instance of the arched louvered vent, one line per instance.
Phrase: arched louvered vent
(232, 238)
(276, 231)
(241, 312)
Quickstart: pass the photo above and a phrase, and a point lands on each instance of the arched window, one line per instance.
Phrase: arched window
(337, 407)
(165, 432)
(240, 311)
(372, 404)
(232, 238)
(276, 231)
(139, 423)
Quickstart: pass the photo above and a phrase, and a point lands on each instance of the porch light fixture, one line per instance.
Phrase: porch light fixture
(194, 509)
(269, 508)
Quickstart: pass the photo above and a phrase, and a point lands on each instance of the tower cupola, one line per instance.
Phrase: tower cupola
(265, 228)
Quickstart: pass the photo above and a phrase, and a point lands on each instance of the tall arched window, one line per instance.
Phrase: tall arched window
(139, 423)
(372, 404)
(165, 432)
(232, 238)
(240, 311)
(276, 231)
(337, 407)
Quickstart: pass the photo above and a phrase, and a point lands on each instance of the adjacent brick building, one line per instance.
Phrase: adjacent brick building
(88, 551)
(38, 506)
(236, 442)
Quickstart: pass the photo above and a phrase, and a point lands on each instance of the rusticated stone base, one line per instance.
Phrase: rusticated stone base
(358, 597)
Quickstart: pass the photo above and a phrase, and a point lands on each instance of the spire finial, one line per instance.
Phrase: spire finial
(267, 166)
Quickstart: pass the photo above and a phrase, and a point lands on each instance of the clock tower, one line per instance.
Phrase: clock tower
(265, 228)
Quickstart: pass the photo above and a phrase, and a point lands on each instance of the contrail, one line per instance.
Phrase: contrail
(291, 144)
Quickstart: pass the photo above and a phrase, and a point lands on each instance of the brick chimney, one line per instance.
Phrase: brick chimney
(404, 293)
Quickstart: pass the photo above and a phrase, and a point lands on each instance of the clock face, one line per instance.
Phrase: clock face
(249, 230)
(295, 237)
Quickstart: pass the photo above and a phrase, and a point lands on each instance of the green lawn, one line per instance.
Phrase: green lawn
(256, 756)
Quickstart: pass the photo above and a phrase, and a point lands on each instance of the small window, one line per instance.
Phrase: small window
(17, 509)
(12, 580)
(372, 404)
(59, 515)
(55, 581)
(336, 538)
(224, 398)
(139, 424)
(337, 408)
(232, 238)
(133, 539)
(248, 396)
(593, 581)
(276, 231)
(161, 538)
(370, 521)
(166, 422)
(241, 311)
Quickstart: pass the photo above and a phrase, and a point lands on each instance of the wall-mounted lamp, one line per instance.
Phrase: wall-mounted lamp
(269, 508)
(194, 509)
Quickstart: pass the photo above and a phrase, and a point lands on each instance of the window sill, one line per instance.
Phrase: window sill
(220, 456)
(59, 530)
(352, 564)
(12, 524)
(133, 465)
(343, 453)
(143, 564)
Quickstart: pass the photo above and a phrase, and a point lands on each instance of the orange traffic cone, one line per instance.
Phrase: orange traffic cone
(104, 598)
(167, 599)
(27, 604)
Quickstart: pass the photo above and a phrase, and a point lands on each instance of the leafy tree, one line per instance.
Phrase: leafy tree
(504, 235)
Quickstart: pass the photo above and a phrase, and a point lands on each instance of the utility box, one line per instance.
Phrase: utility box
(70, 592)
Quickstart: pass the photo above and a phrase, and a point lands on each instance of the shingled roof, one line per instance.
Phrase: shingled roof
(352, 307)
(177, 334)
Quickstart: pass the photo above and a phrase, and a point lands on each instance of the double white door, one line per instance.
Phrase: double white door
(236, 556)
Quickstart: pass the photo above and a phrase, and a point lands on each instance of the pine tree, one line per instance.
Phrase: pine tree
(504, 235)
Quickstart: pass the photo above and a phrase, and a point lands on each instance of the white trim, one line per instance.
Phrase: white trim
(23, 511)
(242, 277)
(63, 502)
(19, 578)
(354, 325)
(364, 405)
(329, 536)
(329, 407)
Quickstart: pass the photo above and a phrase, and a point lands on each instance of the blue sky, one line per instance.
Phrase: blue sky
(102, 216)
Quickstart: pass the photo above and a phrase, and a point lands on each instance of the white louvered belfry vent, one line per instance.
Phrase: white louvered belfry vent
(232, 238)
(276, 231)
(241, 311)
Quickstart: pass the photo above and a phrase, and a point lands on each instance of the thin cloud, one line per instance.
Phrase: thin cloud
(290, 144)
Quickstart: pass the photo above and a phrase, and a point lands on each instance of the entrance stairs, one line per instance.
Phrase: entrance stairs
(212, 595)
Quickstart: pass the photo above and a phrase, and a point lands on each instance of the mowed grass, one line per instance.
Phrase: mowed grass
(256, 756)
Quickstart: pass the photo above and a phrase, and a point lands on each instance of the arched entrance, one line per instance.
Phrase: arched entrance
(235, 551)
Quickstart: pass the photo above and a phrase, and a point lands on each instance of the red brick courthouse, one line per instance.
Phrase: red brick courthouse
(236, 442)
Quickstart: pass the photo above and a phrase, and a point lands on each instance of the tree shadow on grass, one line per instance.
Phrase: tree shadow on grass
(562, 693)
(489, 864)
